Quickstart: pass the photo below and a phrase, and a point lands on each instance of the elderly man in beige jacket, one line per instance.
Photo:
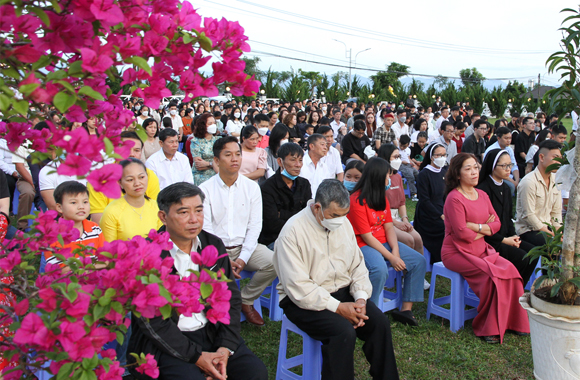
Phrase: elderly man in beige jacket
(324, 286)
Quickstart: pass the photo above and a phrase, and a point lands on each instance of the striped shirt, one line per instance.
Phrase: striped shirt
(92, 236)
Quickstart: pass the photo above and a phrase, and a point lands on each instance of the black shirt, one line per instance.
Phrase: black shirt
(4, 191)
(501, 200)
(522, 144)
(416, 152)
(280, 203)
(470, 145)
(352, 144)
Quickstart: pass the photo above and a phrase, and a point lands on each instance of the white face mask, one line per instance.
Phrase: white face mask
(396, 163)
(324, 108)
(332, 224)
(173, 112)
(275, 109)
(263, 131)
(211, 129)
(237, 115)
(282, 142)
(440, 161)
(137, 108)
(145, 113)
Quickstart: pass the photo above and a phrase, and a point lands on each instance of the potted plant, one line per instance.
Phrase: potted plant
(554, 303)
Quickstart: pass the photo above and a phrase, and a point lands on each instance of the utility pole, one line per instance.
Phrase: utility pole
(348, 54)
(539, 103)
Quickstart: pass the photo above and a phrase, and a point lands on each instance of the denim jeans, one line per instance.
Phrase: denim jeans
(378, 272)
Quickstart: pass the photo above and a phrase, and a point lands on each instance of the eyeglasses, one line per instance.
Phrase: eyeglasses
(440, 155)
(506, 166)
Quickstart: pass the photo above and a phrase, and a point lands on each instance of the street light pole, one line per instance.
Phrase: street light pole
(348, 54)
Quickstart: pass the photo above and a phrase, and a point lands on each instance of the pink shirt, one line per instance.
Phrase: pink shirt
(252, 161)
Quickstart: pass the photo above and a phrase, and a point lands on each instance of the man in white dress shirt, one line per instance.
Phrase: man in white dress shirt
(315, 169)
(400, 128)
(233, 212)
(193, 348)
(176, 121)
(169, 165)
(336, 124)
(332, 158)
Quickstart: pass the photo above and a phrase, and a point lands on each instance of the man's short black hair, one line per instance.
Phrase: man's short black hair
(309, 126)
(69, 188)
(359, 125)
(312, 139)
(445, 124)
(478, 123)
(558, 128)
(131, 135)
(548, 145)
(502, 131)
(324, 129)
(174, 194)
(444, 108)
(404, 140)
(290, 149)
(400, 111)
(166, 133)
(261, 117)
(219, 145)
(356, 110)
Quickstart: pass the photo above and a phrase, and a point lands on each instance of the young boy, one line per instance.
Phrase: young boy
(408, 169)
(417, 148)
(309, 131)
(72, 202)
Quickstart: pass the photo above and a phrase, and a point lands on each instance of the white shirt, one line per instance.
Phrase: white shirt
(574, 121)
(531, 153)
(182, 262)
(176, 122)
(50, 181)
(6, 164)
(400, 130)
(439, 121)
(335, 127)
(234, 213)
(234, 126)
(315, 174)
(405, 155)
(434, 136)
(170, 171)
(20, 156)
(332, 160)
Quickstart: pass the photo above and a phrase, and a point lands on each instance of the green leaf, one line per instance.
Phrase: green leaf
(166, 311)
(110, 292)
(43, 61)
(104, 301)
(60, 240)
(206, 290)
(141, 63)
(205, 42)
(555, 288)
(63, 101)
(100, 311)
(11, 72)
(75, 68)
(67, 85)
(141, 132)
(65, 371)
(109, 148)
(5, 103)
(90, 363)
(120, 337)
(118, 307)
(187, 38)
(56, 6)
(89, 319)
(575, 281)
(26, 89)
(153, 279)
(88, 91)
(21, 107)
(41, 15)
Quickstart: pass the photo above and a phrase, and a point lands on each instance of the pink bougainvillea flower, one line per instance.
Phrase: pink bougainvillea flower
(71, 332)
(76, 114)
(10, 261)
(149, 368)
(21, 307)
(32, 331)
(115, 372)
(107, 12)
(105, 180)
(16, 135)
(149, 301)
(208, 257)
(74, 165)
(129, 76)
(95, 63)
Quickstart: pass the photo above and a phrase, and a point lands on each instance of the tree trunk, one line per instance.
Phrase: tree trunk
(571, 229)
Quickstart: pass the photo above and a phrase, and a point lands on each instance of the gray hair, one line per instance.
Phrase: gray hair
(332, 190)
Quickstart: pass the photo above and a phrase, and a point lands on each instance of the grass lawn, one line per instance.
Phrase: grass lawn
(430, 351)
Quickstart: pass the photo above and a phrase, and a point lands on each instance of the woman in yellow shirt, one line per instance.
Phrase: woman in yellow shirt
(134, 213)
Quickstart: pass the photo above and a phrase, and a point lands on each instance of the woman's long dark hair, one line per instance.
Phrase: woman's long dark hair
(247, 132)
(386, 151)
(372, 184)
(452, 180)
(276, 135)
(200, 127)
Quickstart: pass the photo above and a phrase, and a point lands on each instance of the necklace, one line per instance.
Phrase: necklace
(468, 195)
(140, 215)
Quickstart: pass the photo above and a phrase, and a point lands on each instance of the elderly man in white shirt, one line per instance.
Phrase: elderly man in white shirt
(332, 158)
(169, 165)
(233, 212)
(315, 169)
(399, 127)
(324, 286)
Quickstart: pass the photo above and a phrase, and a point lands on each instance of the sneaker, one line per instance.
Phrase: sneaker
(426, 285)
(414, 198)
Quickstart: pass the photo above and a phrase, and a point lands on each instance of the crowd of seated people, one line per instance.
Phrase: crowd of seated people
(281, 188)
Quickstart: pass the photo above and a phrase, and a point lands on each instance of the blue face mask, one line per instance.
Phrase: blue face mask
(349, 185)
(288, 175)
(389, 185)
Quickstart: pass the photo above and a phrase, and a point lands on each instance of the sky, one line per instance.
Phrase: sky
(507, 39)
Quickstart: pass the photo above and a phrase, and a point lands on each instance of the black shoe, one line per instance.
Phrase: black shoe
(406, 317)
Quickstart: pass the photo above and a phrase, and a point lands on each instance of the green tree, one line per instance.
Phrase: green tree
(312, 77)
(476, 95)
(514, 92)
(470, 77)
(441, 82)
(390, 77)
(252, 67)
(497, 102)
(297, 88)
(338, 87)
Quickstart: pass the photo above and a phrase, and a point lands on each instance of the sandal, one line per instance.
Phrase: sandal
(491, 339)
(518, 333)
(406, 317)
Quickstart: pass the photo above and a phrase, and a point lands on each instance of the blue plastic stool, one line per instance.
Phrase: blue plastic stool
(534, 275)
(310, 359)
(272, 303)
(395, 298)
(461, 295)
(427, 256)
(406, 187)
